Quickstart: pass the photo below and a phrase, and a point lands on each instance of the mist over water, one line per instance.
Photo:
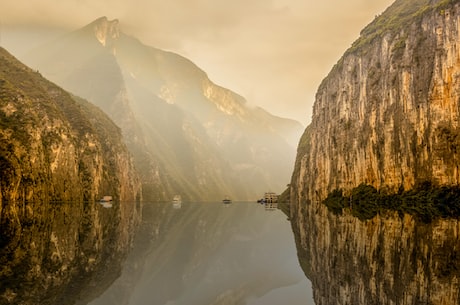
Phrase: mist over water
(210, 253)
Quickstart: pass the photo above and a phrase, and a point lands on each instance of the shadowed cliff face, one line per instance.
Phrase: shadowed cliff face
(58, 155)
(387, 115)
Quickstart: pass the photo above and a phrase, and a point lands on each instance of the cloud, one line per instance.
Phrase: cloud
(274, 52)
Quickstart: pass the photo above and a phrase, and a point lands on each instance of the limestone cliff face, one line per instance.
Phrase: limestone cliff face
(387, 115)
(58, 156)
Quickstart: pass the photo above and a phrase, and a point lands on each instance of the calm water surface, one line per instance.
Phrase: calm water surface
(211, 253)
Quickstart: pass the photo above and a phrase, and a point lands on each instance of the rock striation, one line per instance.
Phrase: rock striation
(58, 156)
(387, 115)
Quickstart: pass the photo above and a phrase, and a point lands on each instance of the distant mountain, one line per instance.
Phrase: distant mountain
(187, 135)
(58, 155)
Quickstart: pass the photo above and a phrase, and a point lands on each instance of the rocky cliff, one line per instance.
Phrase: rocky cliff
(58, 156)
(387, 115)
(187, 134)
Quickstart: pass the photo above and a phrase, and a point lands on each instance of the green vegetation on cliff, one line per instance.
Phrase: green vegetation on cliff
(426, 202)
(400, 15)
(284, 200)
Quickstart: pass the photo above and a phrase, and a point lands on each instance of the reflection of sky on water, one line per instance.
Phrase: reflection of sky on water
(211, 253)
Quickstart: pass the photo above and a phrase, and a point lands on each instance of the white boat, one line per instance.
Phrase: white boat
(106, 199)
(177, 201)
(270, 201)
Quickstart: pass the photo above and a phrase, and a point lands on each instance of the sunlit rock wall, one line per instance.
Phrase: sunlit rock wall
(388, 113)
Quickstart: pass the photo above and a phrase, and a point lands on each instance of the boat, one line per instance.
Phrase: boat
(177, 201)
(227, 200)
(106, 199)
(270, 201)
(270, 197)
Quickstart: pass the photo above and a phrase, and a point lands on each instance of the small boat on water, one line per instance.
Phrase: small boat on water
(177, 201)
(270, 201)
(106, 199)
(227, 200)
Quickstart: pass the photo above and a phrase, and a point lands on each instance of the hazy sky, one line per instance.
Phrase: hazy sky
(273, 52)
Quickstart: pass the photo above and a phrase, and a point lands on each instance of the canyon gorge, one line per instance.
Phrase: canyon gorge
(385, 123)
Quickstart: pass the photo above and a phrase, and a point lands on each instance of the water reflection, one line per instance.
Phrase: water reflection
(390, 259)
(61, 252)
(211, 253)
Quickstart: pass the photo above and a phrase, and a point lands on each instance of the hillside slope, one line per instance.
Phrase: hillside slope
(58, 156)
(187, 134)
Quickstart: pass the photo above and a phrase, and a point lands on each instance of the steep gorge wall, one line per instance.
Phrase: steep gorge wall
(58, 156)
(387, 115)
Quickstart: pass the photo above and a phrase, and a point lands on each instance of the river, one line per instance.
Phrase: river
(211, 254)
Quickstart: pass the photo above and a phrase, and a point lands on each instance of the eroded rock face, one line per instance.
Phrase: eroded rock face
(387, 115)
(58, 156)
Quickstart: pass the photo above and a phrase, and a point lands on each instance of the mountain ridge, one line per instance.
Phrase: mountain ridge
(209, 121)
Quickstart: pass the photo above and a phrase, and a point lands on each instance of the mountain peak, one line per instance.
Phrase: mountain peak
(106, 30)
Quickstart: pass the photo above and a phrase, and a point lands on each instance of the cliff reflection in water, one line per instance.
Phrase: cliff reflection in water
(389, 259)
(210, 253)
